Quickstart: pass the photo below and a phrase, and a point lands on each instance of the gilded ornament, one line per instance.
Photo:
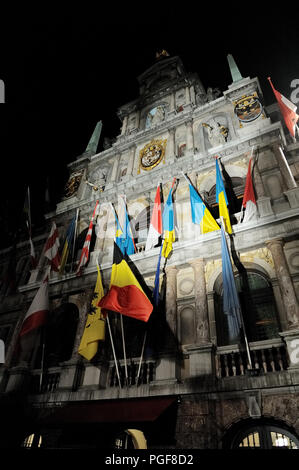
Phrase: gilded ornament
(152, 154)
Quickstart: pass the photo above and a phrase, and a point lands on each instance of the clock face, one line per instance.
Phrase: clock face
(248, 108)
(152, 154)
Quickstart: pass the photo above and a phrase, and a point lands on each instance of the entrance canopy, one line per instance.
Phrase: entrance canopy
(109, 411)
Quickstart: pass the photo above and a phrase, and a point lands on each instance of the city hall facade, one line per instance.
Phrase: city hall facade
(186, 386)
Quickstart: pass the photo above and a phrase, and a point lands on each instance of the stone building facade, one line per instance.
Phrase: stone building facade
(195, 390)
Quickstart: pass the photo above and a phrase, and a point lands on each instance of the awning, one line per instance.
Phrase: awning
(108, 411)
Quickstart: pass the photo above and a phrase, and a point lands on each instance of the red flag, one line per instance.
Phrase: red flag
(85, 249)
(288, 110)
(38, 310)
(51, 248)
(249, 202)
(155, 229)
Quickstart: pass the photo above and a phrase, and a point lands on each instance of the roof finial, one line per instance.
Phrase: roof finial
(162, 53)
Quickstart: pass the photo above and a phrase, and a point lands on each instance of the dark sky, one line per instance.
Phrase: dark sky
(64, 71)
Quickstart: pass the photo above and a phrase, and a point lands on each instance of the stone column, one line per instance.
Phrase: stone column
(171, 145)
(172, 104)
(190, 139)
(131, 161)
(115, 162)
(137, 118)
(201, 304)
(263, 201)
(285, 282)
(171, 299)
(188, 100)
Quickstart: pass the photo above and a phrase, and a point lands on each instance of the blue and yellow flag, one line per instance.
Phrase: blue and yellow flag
(168, 225)
(221, 198)
(69, 239)
(95, 324)
(123, 236)
(200, 214)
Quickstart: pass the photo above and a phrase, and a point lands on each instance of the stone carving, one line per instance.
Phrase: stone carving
(217, 133)
(213, 93)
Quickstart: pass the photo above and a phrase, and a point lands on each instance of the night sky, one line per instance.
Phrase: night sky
(64, 71)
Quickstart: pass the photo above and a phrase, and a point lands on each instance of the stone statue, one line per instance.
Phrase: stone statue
(217, 133)
(158, 116)
(213, 93)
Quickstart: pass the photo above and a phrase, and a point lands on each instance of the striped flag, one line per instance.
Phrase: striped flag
(200, 214)
(85, 250)
(221, 198)
(124, 239)
(155, 229)
(168, 224)
(249, 202)
(51, 249)
(69, 239)
(125, 294)
(37, 313)
(288, 110)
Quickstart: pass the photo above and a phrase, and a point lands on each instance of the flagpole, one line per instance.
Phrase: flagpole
(113, 350)
(74, 238)
(141, 358)
(241, 314)
(42, 362)
(124, 348)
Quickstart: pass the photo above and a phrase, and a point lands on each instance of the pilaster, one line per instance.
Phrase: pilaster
(285, 282)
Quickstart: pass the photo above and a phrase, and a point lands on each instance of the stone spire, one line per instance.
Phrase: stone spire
(92, 146)
(236, 76)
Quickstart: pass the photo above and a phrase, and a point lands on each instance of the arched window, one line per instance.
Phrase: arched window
(130, 439)
(234, 188)
(141, 224)
(32, 441)
(258, 308)
(57, 341)
(265, 434)
(60, 334)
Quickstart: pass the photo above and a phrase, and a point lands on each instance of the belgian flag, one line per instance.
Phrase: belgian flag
(125, 294)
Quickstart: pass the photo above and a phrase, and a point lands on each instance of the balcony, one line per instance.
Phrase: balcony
(266, 357)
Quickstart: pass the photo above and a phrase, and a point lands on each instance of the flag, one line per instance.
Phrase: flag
(231, 304)
(85, 250)
(37, 313)
(221, 198)
(27, 214)
(155, 229)
(125, 294)
(287, 109)
(95, 324)
(200, 214)
(124, 237)
(51, 249)
(249, 202)
(157, 280)
(168, 224)
(69, 239)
